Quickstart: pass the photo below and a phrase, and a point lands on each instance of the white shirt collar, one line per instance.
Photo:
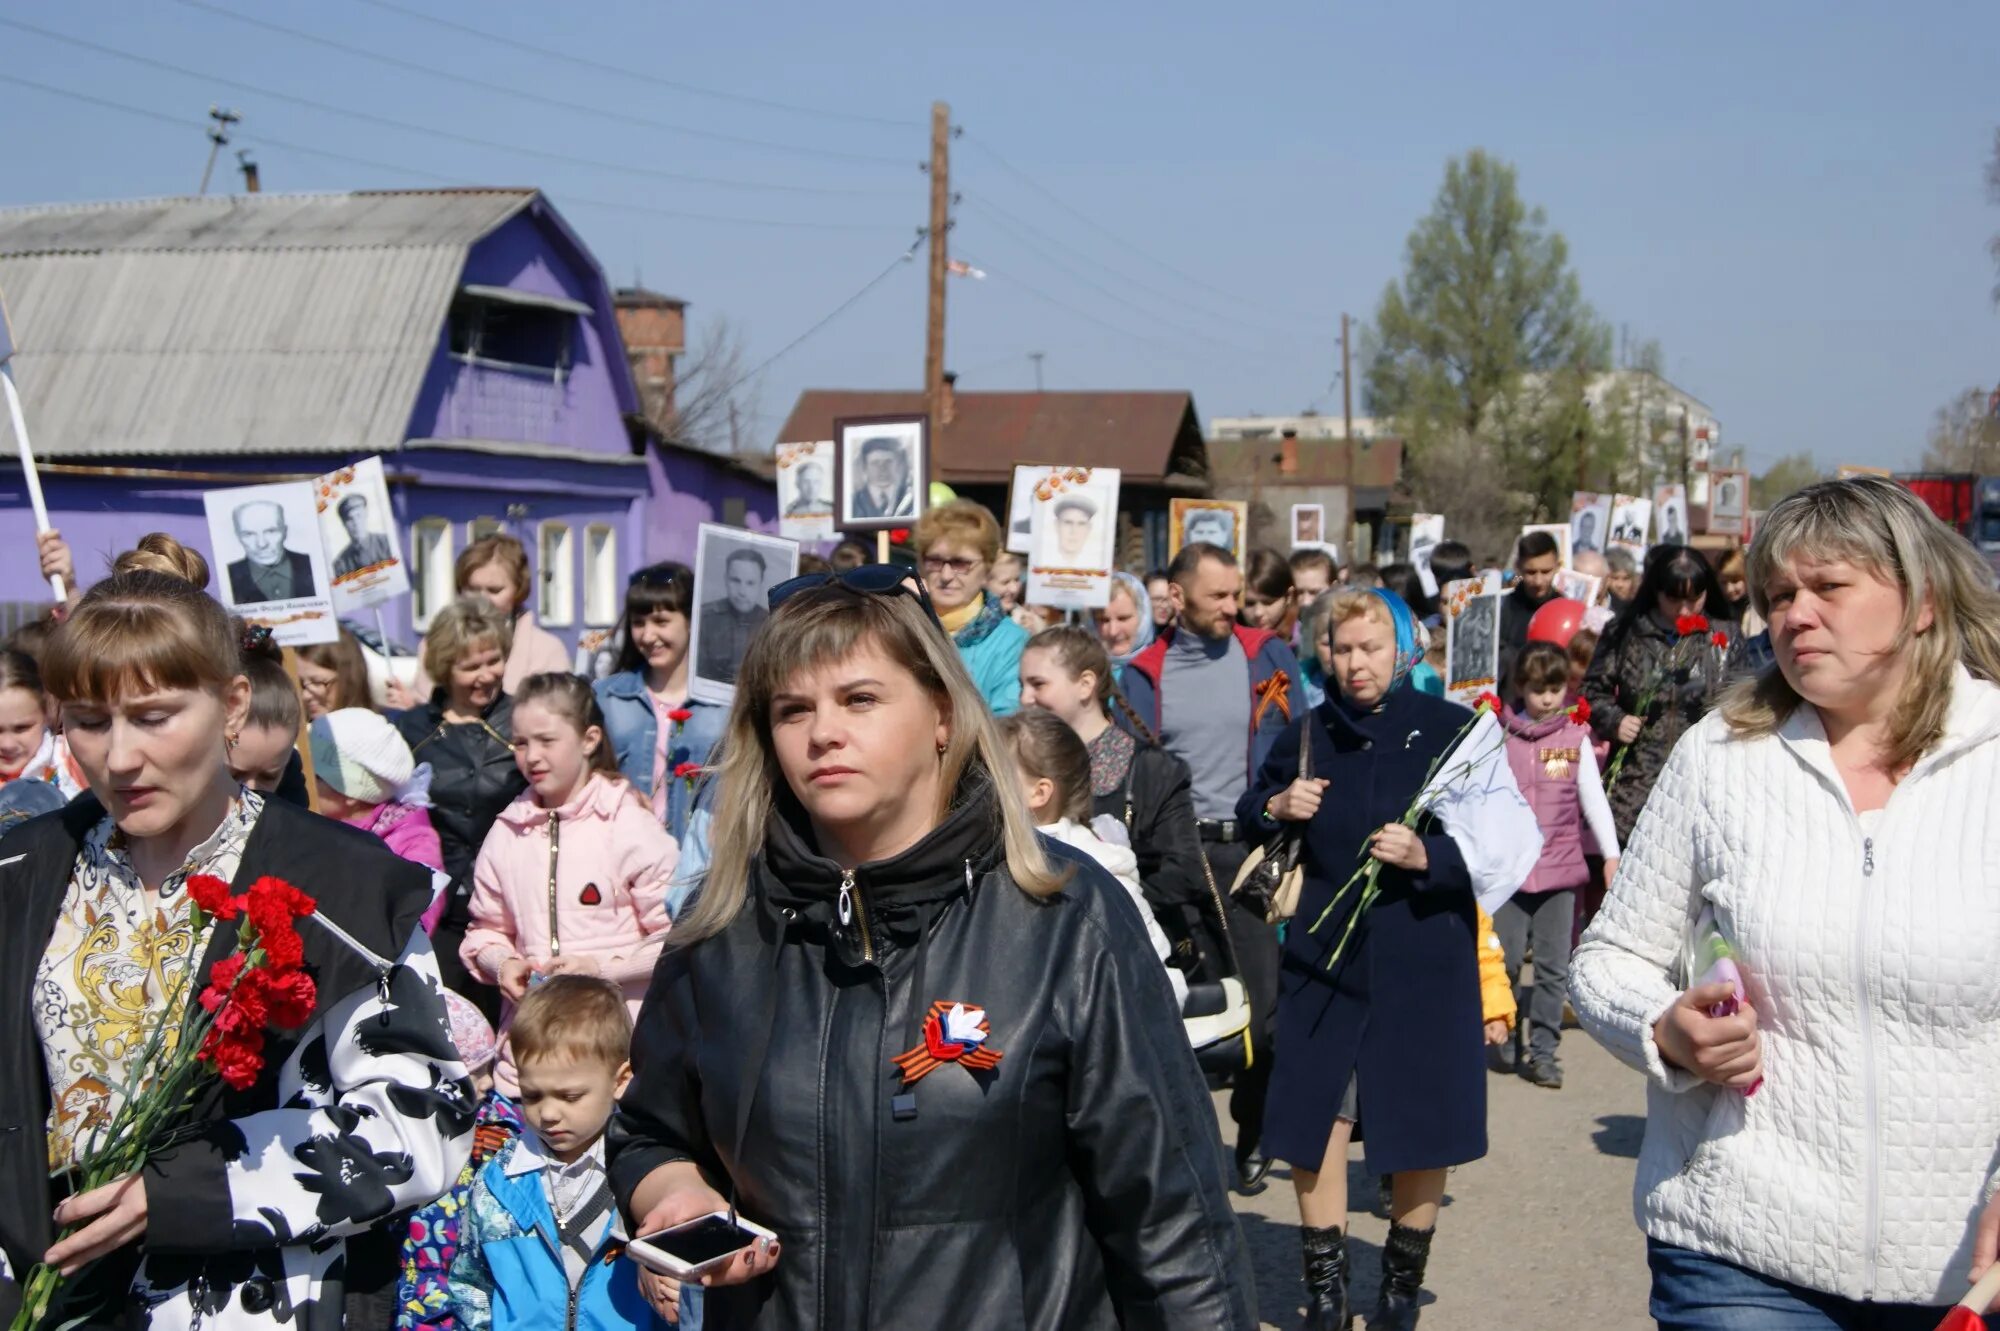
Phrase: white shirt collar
(529, 1157)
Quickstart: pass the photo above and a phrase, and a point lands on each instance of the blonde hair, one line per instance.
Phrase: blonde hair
(460, 627)
(1877, 524)
(579, 1017)
(139, 632)
(498, 548)
(964, 522)
(158, 552)
(822, 628)
(1341, 607)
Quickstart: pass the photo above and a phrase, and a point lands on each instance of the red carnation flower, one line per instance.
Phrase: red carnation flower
(1580, 711)
(899, 535)
(237, 1058)
(680, 715)
(221, 980)
(1488, 702)
(1688, 625)
(284, 950)
(212, 895)
(1719, 638)
(687, 771)
(293, 996)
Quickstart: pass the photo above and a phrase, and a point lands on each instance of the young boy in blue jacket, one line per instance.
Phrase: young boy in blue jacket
(543, 1245)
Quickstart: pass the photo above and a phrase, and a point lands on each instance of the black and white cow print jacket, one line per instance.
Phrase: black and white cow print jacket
(268, 1214)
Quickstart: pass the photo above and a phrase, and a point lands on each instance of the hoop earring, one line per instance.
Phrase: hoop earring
(229, 740)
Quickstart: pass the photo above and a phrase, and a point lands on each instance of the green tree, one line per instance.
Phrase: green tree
(1487, 336)
(1784, 476)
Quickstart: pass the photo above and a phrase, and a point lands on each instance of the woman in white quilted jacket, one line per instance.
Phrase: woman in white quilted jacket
(1837, 817)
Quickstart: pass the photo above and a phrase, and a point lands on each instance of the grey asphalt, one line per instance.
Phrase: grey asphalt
(1538, 1234)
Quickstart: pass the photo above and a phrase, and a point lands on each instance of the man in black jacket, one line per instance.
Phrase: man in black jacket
(1537, 559)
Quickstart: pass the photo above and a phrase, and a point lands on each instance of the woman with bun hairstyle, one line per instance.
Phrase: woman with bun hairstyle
(262, 1213)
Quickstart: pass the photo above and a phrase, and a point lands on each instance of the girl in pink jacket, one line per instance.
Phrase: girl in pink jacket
(573, 877)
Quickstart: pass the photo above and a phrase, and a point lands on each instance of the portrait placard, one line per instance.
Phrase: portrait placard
(1631, 516)
(358, 526)
(273, 565)
(1076, 527)
(1222, 522)
(882, 471)
(805, 491)
(1589, 523)
(734, 570)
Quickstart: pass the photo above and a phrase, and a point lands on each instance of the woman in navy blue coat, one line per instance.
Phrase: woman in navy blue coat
(1387, 1041)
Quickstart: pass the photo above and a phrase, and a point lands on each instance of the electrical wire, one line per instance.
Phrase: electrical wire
(1111, 235)
(642, 76)
(261, 139)
(387, 122)
(1043, 296)
(541, 99)
(1001, 217)
(905, 257)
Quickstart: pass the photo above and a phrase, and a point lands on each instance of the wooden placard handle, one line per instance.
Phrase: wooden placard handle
(304, 744)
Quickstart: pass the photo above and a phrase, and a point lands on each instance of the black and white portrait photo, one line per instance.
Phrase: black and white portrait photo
(1670, 512)
(1211, 521)
(1075, 527)
(1021, 507)
(274, 567)
(1631, 517)
(1589, 522)
(358, 529)
(882, 477)
(734, 571)
(1472, 648)
(805, 491)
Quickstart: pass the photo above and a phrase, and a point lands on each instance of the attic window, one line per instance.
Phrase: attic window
(516, 329)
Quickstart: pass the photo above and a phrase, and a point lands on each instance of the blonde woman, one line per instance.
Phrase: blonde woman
(1835, 818)
(495, 568)
(932, 1052)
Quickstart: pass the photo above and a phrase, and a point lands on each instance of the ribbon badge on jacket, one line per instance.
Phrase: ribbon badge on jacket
(953, 1033)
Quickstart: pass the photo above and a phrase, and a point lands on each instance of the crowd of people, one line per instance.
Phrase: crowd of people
(594, 958)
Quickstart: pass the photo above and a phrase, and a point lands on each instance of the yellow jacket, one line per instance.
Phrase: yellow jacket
(1496, 995)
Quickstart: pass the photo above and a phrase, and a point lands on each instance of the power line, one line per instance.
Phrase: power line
(1113, 236)
(266, 140)
(504, 90)
(1002, 217)
(387, 122)
(905, 257)
(1066, 308)
(642, 76)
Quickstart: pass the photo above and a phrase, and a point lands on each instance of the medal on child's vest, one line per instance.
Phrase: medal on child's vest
(1556, 762)
(953, 1033)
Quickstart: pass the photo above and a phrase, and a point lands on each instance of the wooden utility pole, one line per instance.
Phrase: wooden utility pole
(1346, 385)
(940, 224)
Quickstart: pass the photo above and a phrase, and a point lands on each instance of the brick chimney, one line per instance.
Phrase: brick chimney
(654, 330)
(1288, 453)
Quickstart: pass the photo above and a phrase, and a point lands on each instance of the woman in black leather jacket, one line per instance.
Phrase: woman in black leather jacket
(934, 1054)
(465, 732)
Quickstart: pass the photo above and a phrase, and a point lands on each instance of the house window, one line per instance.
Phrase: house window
(556, 605)
(480, 528)
(513, 329)
(733, 512)
(431, 587)
(600, 575)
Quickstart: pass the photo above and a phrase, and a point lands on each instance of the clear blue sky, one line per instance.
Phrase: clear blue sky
(1787, 195)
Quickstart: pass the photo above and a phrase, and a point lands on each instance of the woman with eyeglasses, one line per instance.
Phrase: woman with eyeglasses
(932, 1052)
(957, 544)
(659, 734)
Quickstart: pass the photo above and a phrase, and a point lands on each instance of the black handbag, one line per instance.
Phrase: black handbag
(1271, 879)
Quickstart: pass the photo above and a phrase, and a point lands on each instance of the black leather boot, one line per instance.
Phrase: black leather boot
(1404, 1257)
(1326, 1279)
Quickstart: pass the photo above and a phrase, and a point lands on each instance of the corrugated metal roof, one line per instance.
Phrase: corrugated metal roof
(254, 324)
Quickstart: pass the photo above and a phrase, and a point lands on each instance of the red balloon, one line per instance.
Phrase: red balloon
(1557, 622)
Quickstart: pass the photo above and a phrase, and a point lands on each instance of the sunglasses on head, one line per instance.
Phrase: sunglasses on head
(869, 579)
(655, 575)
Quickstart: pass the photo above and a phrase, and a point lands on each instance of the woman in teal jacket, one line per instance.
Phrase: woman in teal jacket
(957, 544)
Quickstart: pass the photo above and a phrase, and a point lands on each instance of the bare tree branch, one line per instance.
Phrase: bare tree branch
(710, 408)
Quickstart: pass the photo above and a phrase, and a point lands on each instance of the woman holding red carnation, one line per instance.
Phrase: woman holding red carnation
(1659, 668)
(335, 1098)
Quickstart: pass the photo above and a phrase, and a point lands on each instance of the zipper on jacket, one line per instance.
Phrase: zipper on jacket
(1871, 1110)
(555, 849)
(569, 1320)
(853, 905)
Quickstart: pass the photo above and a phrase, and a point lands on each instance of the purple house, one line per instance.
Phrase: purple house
(168, 346)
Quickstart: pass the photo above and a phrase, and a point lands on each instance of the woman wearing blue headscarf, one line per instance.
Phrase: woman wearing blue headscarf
(1125, 626)
(1383, 1046)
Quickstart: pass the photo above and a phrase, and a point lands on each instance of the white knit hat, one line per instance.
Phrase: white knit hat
(359, 754)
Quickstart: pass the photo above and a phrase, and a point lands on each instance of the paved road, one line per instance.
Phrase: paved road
(1538, 1234)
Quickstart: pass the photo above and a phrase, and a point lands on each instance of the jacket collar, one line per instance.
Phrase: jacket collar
(600, 797)
(1971, 718)
(1522, 728)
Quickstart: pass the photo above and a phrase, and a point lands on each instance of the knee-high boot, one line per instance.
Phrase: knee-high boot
(1404, 1257)
(1326, 1279)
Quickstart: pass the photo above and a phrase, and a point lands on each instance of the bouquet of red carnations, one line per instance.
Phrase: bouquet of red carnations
(261, 985)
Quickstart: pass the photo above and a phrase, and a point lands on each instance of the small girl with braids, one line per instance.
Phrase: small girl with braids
(1066, 670)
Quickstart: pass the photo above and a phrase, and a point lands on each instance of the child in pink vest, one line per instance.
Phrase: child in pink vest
(572, 880)
(1549, 750)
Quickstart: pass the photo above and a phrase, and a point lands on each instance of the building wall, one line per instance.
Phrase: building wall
(688, 490)
(1306, 427)
(585, 408)
(654, 335)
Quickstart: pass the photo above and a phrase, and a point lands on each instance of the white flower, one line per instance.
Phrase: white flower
(962, 1025)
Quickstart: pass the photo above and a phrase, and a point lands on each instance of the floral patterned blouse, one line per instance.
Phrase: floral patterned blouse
(112, 963)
